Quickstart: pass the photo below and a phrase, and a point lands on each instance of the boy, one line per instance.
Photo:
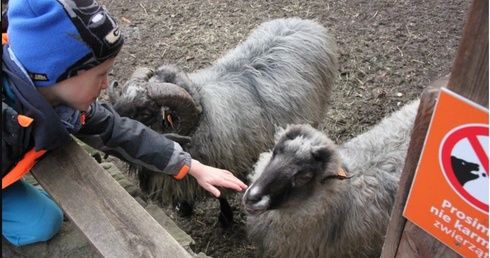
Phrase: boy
(54, 66)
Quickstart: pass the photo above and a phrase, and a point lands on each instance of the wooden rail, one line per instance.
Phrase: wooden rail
(108, 216)
(469, 78)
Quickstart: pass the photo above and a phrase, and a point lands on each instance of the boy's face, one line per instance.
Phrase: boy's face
(80, 91)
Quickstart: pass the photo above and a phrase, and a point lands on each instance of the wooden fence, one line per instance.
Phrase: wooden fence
(469, 78)
(113, 221)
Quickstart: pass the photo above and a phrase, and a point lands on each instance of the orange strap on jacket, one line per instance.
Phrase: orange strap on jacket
(5, 39)
(26, 163)
(22, 167)
(183, 171)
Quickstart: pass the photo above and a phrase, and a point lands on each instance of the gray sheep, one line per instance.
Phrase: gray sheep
(311, 199)
(282, 73)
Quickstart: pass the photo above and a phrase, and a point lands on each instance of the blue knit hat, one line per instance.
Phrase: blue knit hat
(58, 39)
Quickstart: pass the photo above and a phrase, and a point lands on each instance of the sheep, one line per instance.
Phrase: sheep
(310, 198)
(282, 73)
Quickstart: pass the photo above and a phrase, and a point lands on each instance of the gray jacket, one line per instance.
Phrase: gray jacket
(131, 141)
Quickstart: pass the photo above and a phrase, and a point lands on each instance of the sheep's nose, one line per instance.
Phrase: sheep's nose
(250, 199)
(250, 195)
(254, 202)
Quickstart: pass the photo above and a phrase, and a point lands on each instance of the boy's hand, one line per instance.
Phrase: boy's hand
(208, 177)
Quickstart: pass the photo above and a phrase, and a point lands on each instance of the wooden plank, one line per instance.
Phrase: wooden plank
(421, 126)
(107, 215)
(415, 242)
(469, 78)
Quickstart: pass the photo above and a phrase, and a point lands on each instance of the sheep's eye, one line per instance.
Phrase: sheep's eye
(146, 115)
(302, 178)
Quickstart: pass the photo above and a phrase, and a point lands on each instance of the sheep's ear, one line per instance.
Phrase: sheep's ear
(341, 174)
(279, 132)
(320, 153)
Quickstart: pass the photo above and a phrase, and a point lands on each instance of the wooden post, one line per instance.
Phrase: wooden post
(107, 215)
(469, 78)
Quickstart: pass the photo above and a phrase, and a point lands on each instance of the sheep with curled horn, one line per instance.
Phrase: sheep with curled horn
(311, 199)
(282, 73)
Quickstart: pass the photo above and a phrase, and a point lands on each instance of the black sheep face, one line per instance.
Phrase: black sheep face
(291, 176)
(135, 104)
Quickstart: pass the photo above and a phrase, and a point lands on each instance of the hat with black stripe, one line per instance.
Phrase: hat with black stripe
(58, 39)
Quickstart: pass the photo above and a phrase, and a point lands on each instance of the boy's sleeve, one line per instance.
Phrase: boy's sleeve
(132, 141)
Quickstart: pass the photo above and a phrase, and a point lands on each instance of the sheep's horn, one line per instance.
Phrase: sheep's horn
(112, 93)
(140, 76)
(183, 112)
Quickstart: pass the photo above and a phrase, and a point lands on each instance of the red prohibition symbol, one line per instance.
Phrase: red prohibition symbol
(463, 156)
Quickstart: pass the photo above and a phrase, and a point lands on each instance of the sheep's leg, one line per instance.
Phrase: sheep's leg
(225, 217)
(184, 208)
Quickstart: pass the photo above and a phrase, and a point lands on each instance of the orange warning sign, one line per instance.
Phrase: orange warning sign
(449, 193)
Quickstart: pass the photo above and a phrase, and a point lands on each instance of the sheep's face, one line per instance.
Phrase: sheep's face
(135, 104)
(299, 164)
(157, 101)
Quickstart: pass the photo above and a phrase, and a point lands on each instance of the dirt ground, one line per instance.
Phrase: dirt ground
(389, 52)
